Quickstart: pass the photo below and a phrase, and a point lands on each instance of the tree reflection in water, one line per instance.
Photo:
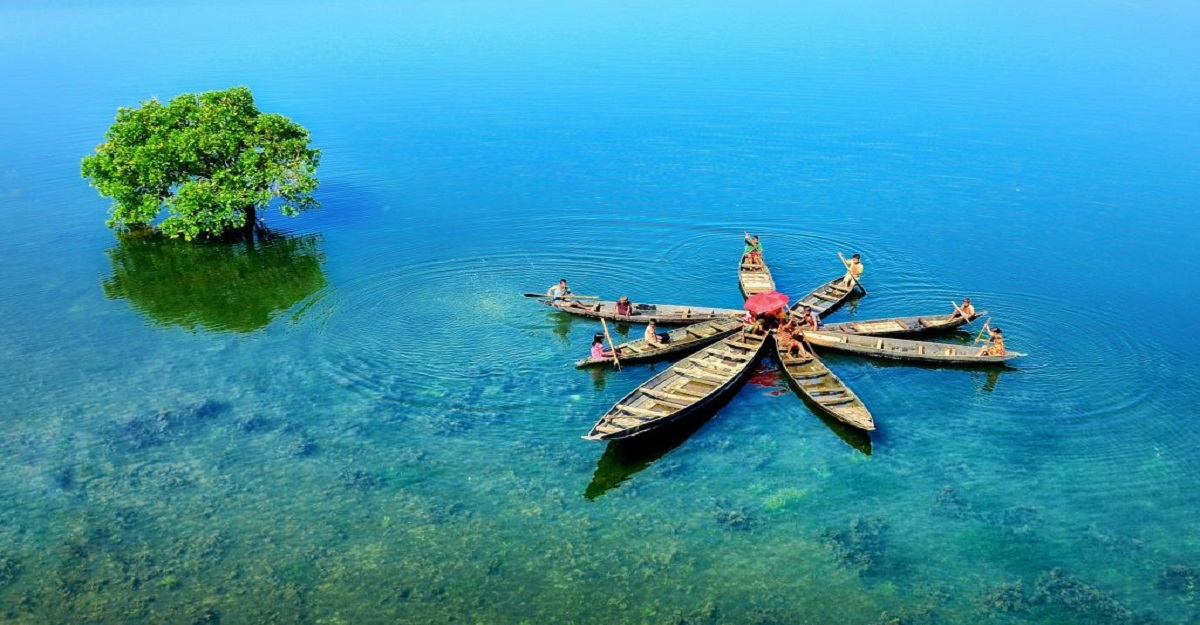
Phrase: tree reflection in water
(219, 286)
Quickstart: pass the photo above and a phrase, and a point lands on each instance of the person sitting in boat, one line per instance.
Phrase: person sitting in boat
(653, 337)
(854, 271)
(967, 308)
(752, 324)
(598, 351)
(752, 255)
(562, 293)
(996, 347)
(625, 307)
(785, 335)
(809, 319)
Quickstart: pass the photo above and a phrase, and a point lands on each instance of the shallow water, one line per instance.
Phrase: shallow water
(387, 432)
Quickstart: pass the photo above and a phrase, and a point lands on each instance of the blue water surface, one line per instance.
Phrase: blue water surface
(365, 422)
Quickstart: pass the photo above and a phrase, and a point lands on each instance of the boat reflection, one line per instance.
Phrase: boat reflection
(599, 375)
(561, 326)
(850, 435)
(625, 458)
(219, 286)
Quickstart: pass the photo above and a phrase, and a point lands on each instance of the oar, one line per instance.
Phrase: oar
(611, 345)
(966, 318)
(981, 331)
(572, 295)
(852, 278)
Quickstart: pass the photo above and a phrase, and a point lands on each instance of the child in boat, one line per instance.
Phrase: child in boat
(809, 320)
(653, 338)
(752, 255)
(996, 348)
(785, 335)
(598, 351)
(966, 308)
(854, 271)
(752, 324)
(562, 293)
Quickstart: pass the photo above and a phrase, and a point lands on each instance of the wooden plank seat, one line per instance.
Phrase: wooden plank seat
(673, 398)
(732, 355)
(709, 365)
(642, 411)
(683, 391)
(838, 402)
(704, 376)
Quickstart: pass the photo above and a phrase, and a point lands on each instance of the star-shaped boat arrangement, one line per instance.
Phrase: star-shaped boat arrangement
(718, 348)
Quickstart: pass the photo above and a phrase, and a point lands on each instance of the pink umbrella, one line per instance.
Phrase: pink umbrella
(770, 301)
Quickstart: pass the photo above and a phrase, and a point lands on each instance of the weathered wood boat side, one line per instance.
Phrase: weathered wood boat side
(904, 349)
(682, 340)
(754, 278)
(663, 314)
(902, 326)
(825, 298)
(815, 382)
(688, 387)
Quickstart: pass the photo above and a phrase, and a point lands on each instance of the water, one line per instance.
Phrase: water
(383, 431)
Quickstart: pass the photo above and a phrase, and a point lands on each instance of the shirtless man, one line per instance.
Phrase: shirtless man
(966, 308)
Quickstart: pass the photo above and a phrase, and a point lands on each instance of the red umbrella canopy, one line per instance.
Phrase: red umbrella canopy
(769, 301)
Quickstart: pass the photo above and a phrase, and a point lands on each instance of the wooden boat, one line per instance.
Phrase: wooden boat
(754, 278)
(815, 382)
(903, 349)
(687, 388)
(682, 340)
(825, 298)
(901, 326)
(664, 314)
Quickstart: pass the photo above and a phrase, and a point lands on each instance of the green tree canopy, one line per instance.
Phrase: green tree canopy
(215, 285)
(202, 165)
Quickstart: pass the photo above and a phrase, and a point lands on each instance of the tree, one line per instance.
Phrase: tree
(203, 165)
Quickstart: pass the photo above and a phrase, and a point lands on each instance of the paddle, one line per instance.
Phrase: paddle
(613, 347)
(981, 331)
(848, 272)
(572, 295)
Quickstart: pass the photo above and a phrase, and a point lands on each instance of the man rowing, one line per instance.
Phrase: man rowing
(966, 309)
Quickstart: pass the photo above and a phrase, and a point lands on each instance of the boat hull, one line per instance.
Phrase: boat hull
(824, 391)
(663, 314)
(902, 349)
(683, 340)
(901, 326)
(617, 424)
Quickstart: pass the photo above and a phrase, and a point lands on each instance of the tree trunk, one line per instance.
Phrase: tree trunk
(251, 222)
